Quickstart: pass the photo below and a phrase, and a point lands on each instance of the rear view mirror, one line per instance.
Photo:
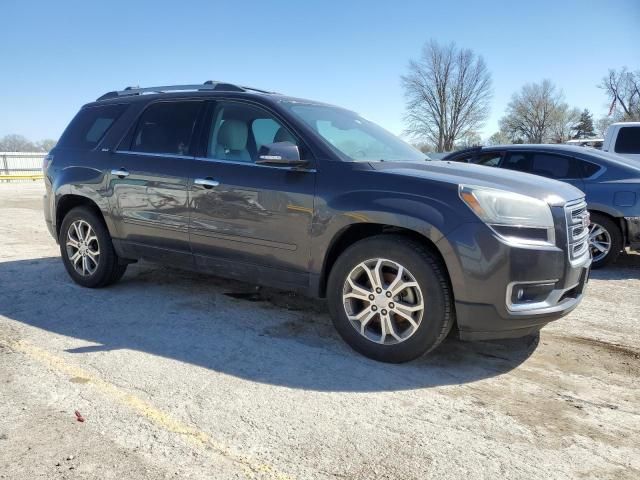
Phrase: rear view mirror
(280, 153)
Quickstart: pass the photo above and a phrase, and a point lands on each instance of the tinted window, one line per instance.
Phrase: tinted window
(588, 168)
(518, 161)
(488, 159)
(90, 125)
(237, 131)
(545, 164)
(166, 127)
(463, 158)
(628, 140)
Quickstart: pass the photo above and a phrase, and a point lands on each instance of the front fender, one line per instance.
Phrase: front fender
(430, 217)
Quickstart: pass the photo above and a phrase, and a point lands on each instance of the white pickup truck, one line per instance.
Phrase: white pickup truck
(623, 138)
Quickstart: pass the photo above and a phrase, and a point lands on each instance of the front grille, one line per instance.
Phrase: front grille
(577, 230)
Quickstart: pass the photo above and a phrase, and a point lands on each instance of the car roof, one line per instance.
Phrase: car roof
(206, 90)
(586, 153)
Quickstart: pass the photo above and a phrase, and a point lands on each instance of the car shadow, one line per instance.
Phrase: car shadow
(626, 267)
(261, 335)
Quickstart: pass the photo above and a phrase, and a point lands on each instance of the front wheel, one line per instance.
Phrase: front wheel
(605, 240)
(87, 250)
(390, 299)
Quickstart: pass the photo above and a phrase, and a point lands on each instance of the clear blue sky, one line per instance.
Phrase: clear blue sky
(57, 55)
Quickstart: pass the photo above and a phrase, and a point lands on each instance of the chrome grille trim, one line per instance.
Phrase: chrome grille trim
(577, 218)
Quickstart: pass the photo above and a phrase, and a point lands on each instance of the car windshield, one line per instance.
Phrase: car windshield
(354, 137)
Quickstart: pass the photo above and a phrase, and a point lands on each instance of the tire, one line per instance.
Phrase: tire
(611, 235)
(349, 284)
(101, 269)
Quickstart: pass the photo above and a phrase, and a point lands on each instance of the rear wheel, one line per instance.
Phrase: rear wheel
(605, 240)
(389, 298)
(87, 250)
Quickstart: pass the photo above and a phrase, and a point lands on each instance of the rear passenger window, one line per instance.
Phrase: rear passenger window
(166, 127)
(89, 126)
(548, 165)
(552, 166)
(628, 140)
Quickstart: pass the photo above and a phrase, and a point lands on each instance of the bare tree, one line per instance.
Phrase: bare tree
(623, 89)
(448, 91)
(45, 145)
(602, 124)
(16, 143)
(19, 143)
(564, 121)
(499, 138)
(534, 113)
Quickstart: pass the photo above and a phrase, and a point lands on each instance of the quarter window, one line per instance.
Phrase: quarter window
(89, 126)
(588, 168)
(167, 128)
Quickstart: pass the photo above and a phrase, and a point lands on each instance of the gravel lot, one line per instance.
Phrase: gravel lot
(179, 375)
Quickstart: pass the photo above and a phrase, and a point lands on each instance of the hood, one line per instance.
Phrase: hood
(553, 192)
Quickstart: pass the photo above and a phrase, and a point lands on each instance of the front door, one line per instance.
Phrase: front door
(150, 181)
(246, 218)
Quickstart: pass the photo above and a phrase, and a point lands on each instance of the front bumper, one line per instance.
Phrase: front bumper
(484, 322)
(633, 232)
(484, 271)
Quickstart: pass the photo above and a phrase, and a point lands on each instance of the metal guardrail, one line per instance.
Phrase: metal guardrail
(21, 166)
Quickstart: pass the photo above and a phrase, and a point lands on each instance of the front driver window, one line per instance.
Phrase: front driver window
(238, 131)
(488, 159)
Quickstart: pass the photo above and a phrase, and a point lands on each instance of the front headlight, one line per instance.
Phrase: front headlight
(511, 215)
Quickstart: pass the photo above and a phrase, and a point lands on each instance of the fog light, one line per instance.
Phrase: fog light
(524, 293)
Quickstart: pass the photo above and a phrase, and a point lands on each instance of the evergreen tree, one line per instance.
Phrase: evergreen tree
(584, 128)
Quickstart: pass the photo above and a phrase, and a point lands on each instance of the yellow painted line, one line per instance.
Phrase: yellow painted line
(37, 176)
(146, 410)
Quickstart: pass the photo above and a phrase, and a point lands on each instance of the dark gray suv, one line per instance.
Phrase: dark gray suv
(611, 183)
(305, 196)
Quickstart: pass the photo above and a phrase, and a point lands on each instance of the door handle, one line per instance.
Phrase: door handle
(206, 182)
(120, 172)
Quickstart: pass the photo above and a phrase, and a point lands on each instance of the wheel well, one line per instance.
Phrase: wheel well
(67, 202)
(354, 233)
(617, 220)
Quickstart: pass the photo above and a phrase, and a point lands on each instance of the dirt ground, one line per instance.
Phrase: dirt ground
(179, 375)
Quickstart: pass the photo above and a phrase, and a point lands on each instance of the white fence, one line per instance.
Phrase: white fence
(21, 166)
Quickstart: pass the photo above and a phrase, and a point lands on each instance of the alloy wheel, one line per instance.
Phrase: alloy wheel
(599, 241)
(383, 301)
(83, 249)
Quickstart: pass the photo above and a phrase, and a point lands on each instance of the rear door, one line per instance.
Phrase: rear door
(150, 179)
(247, 218)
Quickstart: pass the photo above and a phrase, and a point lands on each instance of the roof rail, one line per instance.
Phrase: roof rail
(208, 85)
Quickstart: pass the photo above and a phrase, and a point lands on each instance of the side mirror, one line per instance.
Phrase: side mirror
(284, 154)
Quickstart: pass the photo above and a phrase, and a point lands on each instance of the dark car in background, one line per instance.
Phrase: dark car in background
(611, 184)
(300, 195)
